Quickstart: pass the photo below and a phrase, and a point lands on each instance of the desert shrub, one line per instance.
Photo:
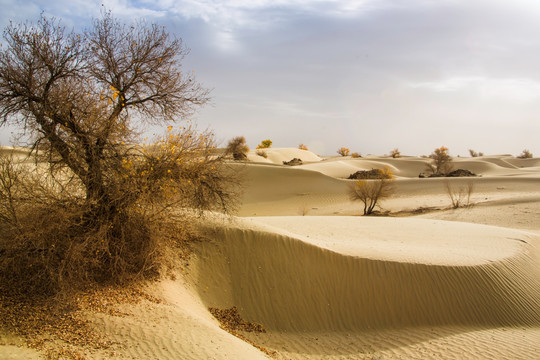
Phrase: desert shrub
(265, 144)
(343, 151)
(371, 192)
(395, 153)
(293, 162)
(355, 155)
(302, 147)
(372, 174)
(238, 148)
(52, 238)
(474, 153)
(98, 208)
(441, 162)
(459, 195)
(262, 153)
(525, 154)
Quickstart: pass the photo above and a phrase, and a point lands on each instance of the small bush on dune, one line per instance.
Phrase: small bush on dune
(372, 174)
(371, 192)
(302, 147)
(460, 196)
(441, 162)
(395, 153)
(238, 148)
(262, 153)
(265, 144)
(525, 154)
(343, 151)
(474, 153)
(355, 155)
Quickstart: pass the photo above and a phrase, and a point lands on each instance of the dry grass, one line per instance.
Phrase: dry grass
(460, 195)
(262, 153)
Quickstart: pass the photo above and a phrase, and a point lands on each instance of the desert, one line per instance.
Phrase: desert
(422, 280)
(140, 217)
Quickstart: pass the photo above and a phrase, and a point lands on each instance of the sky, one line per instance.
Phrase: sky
(370, 75)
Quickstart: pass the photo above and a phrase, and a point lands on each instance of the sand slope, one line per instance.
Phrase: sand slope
(475, 275)
(308, 278)
(334, 286)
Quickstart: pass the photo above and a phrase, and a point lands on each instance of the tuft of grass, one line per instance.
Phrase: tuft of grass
(459, 195)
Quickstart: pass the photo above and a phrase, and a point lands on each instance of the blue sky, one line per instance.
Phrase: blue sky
(371, 75)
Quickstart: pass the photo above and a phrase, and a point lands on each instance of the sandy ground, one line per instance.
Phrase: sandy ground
(426, 282)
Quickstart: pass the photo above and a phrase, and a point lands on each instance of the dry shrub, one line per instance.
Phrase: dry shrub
(262, 153)
(53, 239)
(525, 154)
(372, 174)
(343, 151)
(355, 155)
(370, 192)
(302, 147)
(238, 148)
(395, 153)
(460, 195)
(474, 153)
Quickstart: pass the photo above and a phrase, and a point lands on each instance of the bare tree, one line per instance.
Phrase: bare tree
(370, 192)
(77, 94)
(102, 210)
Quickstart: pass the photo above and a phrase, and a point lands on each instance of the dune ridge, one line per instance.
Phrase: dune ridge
(288, 284)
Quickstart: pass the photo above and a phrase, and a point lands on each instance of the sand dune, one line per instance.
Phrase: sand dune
(439, 283)
(312, 281)
(279, 155)
(322, 276)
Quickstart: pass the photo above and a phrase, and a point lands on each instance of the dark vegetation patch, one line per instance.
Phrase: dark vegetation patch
(231, 321)
(293, 162)
(372, 174)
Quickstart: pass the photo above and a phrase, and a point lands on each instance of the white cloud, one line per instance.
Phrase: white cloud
(522, 90)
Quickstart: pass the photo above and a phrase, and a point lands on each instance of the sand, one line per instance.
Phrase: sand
(427, 282)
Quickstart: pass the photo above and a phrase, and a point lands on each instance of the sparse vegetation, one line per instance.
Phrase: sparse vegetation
(441, 162)
(293, 162)
(52, 239)
(355, 155)
(265, 144)
(302, 147)
(474, 153)
(395, 153)
(262, 153)
(343, 151)
(371, 192)
(99, 209)
(238, 148)
(525, 154)
(372, 174)
(460, 195)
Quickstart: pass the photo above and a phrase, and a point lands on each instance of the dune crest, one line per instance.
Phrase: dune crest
(288, 283)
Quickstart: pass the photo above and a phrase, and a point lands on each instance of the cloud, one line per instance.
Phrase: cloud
(521, 90)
